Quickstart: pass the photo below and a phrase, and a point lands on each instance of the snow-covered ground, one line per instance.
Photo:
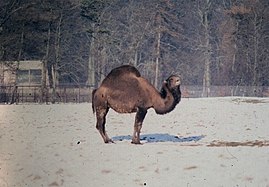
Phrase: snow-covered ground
(223, 142)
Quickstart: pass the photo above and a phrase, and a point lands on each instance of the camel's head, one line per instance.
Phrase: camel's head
(173, 82)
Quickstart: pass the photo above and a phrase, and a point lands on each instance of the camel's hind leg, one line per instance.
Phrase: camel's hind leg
(139, 118)
(100, 124)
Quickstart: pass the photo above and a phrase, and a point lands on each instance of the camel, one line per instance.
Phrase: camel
(126, 91)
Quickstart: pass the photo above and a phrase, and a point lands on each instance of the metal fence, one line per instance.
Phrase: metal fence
(33, 94)
(82, 93)
(223, 91)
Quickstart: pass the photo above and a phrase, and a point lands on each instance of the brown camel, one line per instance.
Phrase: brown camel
(125, 91)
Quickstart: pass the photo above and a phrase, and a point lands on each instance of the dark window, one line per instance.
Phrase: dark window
(23, 77)
(29, 77)
(35, 76)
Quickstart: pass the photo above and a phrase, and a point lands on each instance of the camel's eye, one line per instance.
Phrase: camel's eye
(178, 82)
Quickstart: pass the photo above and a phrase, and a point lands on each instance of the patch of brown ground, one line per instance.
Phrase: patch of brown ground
(257, 143)
(252, 101)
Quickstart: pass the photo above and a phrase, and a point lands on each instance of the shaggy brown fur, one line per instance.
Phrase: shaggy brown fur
(125, 91)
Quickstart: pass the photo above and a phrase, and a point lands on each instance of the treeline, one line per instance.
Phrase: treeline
(207, 42)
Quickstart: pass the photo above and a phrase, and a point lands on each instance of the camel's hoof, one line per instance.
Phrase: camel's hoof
(109, 141)
(136, 142)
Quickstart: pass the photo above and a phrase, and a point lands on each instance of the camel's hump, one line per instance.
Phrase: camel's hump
(122, 70)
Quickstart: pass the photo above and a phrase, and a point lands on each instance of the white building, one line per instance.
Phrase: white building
(29, 73)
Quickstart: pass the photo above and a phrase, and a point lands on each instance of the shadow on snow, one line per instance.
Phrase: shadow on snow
(160, 138)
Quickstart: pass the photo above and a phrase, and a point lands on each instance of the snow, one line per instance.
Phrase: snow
(58, 145)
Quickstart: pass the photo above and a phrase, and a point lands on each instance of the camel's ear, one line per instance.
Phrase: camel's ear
(168, 81)
(164, 83)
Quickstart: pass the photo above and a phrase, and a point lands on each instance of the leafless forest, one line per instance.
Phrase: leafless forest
(207, 42)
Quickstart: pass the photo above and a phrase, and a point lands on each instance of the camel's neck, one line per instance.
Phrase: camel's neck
(169, 100)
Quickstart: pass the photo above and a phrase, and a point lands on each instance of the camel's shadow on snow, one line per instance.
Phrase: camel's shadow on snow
(150, 138)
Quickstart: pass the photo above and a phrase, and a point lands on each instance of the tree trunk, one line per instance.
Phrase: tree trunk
(91, 64)
(235, 49)
(57, 58)
(135, 58)
(256, 43)
(157, 57)
(15, 87)
(207, 53)
(44, 91)
(54, 79)
(102, 61)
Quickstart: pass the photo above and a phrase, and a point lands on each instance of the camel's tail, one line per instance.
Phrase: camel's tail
(93, 107)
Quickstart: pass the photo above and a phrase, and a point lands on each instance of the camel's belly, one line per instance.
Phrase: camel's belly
(123, 108)
(125, 103)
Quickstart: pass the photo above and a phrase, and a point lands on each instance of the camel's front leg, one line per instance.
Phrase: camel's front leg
(140, 115)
